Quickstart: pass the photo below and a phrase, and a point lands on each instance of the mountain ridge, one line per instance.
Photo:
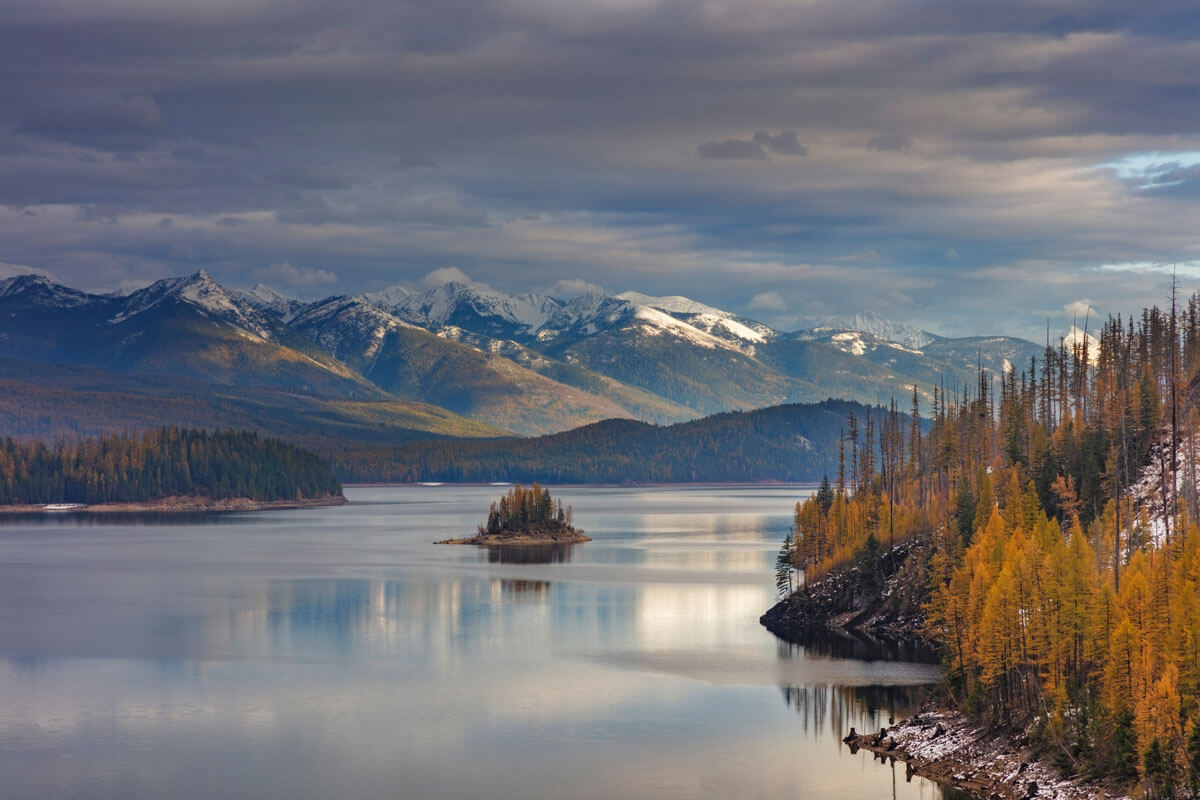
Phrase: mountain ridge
(528, 363)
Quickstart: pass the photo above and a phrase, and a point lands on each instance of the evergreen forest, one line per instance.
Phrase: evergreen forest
(160, 463)
(1060, 514)
(525, 508)
(782, 443)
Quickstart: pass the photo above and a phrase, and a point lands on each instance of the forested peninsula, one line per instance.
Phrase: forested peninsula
(167, 469)
(1051, 551)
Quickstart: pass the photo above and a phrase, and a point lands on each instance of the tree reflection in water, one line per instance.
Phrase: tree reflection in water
(528, 554)
(856, 645)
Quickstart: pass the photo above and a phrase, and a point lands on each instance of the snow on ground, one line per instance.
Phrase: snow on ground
(850, 342)
(674, 304)
(710, 321)
(659, 322)
(1147, 493)
(945, 747)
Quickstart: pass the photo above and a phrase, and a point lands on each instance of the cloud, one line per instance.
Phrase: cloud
(731, 149)
(413, 162)
(783, 143)
(768, 301)
(1080, 309)
(558, 130)
(570, 287)
(117, 125)
(306, 178)
(12, 270)
(444, 275)
(891, 142)
(287, 274)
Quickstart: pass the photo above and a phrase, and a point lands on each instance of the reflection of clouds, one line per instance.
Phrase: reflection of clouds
(392, 665)
(696, 616)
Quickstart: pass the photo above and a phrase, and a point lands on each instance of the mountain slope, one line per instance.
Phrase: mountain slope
(190, 327)
(54, 400)
(414, 364)
(783, 443)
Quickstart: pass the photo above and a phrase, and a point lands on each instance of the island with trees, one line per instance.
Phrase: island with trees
(525, 516)
(165, 469)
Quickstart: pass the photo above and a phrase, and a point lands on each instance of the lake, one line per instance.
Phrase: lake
(336, 652)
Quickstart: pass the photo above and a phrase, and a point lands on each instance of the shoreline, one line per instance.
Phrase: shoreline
(942, 745)
(502, 484)
(523, 539)
(947, 748)
(177, 504)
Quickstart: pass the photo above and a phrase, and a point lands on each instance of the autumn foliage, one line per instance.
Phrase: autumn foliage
(1060, 504)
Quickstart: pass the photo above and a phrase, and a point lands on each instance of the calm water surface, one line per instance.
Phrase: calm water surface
(336, 653)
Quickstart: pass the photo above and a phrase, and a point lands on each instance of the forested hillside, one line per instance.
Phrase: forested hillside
(783, 443)
(1065, 567)
(157, 464)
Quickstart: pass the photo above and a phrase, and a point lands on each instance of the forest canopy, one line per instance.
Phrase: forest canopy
(160, 463)
(1064, 554)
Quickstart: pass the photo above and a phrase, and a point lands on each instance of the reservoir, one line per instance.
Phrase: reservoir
(336, 652)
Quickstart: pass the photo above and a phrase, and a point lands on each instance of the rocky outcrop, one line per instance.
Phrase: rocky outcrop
(881, 594)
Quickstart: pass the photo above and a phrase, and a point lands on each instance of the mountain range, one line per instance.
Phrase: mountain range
(457, 359)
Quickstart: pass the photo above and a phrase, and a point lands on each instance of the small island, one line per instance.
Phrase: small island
(525, 517)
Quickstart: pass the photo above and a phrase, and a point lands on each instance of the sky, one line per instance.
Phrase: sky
(972, 168)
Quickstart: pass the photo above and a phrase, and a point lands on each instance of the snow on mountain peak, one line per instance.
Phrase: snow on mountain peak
(1077, 337)
(201, 292)
(389, 298)
(656, 322)
(264, 298)
(441, 303)
(673, 304)
(48, 293)
(880, 326)
(708, 319)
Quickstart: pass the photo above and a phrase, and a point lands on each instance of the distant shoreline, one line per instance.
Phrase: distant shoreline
(178, 504)
(500, 484)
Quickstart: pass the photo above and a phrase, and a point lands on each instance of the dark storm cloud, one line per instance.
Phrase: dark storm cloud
(731, 148)
(786, 143)
(121, 126)
(531, 141)
(306, 178)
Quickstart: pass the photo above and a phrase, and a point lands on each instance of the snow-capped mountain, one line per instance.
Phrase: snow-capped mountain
(1077, 337)
(469, 306)
(264, 298)
(876, 325)
(38, 291)
(526, 362)
(202, 293)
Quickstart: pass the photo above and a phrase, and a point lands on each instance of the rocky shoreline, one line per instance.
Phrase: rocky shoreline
(947, 748)
(182, 504)
(883, 599)
(538, 535)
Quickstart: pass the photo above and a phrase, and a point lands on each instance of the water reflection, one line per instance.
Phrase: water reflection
(856, 645)
(528, 554)
(831, 711)
(526, 590)
(337, 653)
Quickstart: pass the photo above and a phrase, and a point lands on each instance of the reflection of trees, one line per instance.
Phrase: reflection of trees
(859, 646)
(522, 589)
(835, 709)
(529, 554)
